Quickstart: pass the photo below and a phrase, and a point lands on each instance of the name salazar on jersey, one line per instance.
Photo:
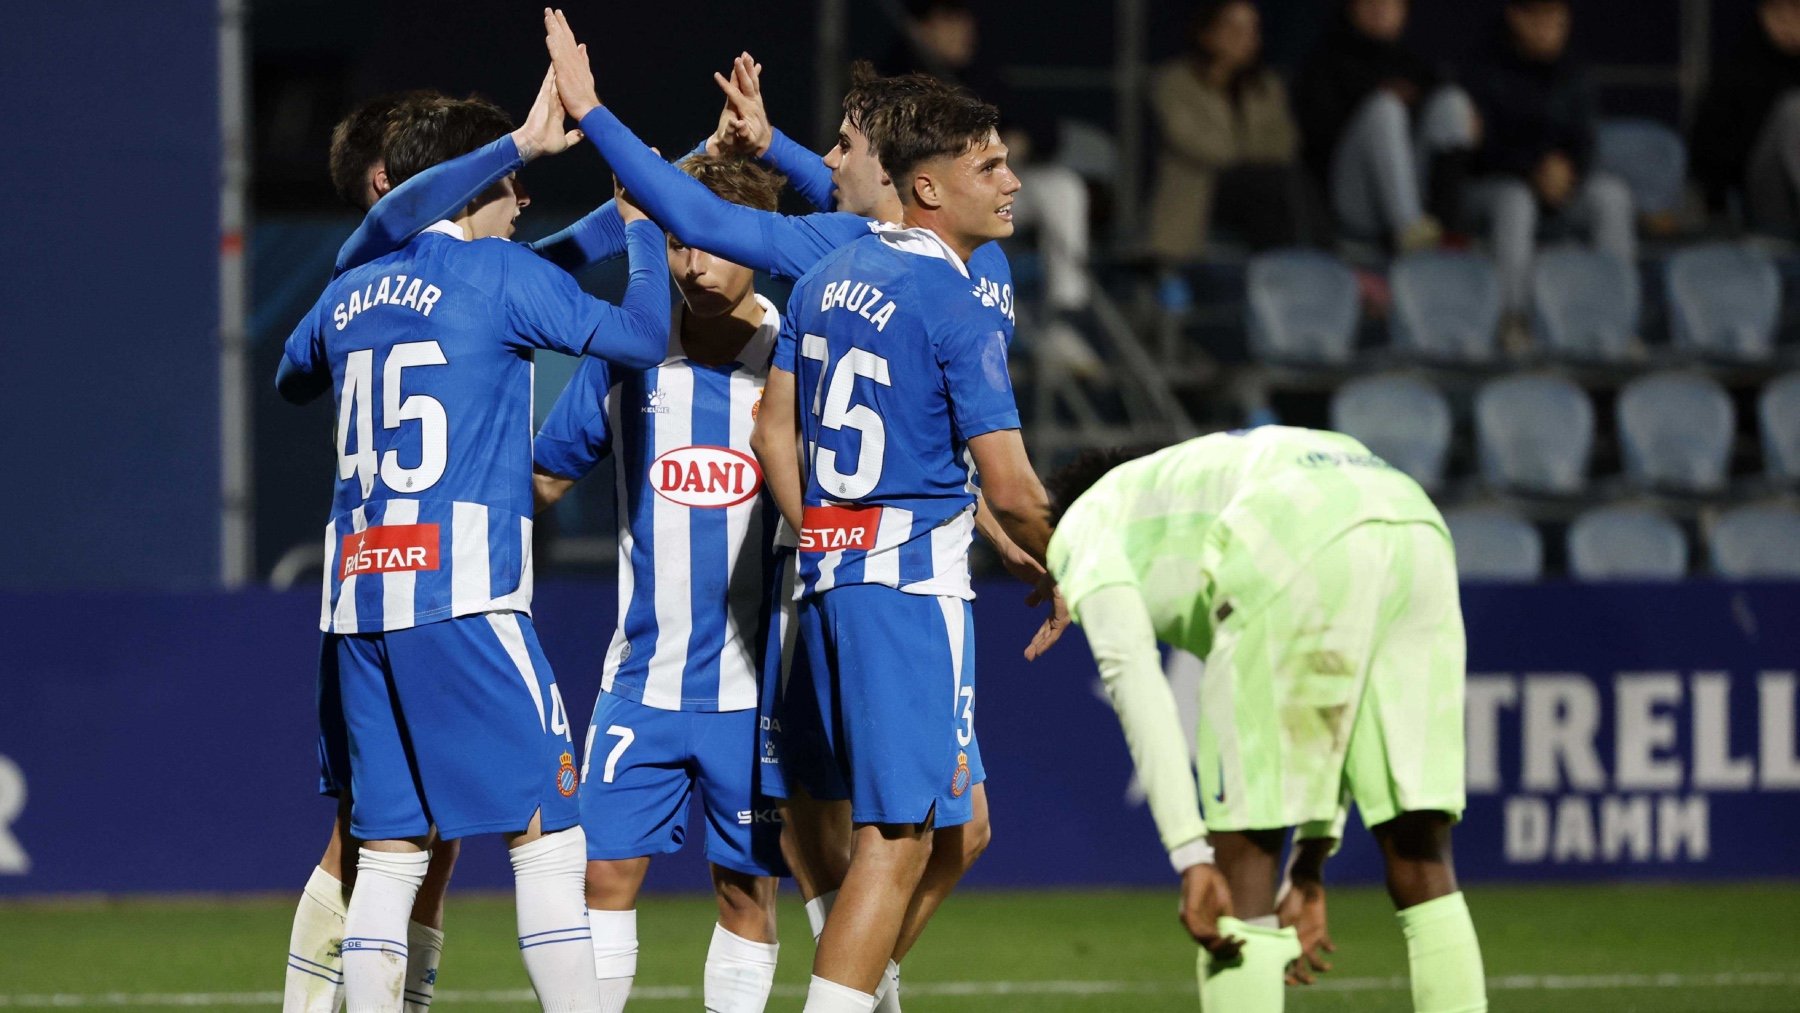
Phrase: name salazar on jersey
(392, 290)
(706, 477)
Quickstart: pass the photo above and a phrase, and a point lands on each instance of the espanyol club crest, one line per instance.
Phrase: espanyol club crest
(959, 781)
(566, 779)
(705, 477)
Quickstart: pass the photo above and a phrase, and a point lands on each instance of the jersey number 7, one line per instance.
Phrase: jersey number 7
(839, 414)
(356, 403)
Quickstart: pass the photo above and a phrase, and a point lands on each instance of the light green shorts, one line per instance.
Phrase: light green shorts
(1347, 684)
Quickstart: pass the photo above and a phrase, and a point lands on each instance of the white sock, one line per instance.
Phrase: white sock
(887, 994)
(315, 967)
(375, 928)
(424, 948)
(824, 996)
(739, 973)
(816, 911)
(548, 875)
(615, 956)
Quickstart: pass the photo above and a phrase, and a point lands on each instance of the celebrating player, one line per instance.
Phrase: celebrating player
(907, 381)
(451, 716)
(1320, 586)
(678, 702)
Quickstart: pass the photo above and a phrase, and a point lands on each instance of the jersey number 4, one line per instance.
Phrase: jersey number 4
(837, 413)
(356, 407)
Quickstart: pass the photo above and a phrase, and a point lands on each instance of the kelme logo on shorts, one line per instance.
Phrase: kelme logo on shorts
(565, 775)
(959, 781)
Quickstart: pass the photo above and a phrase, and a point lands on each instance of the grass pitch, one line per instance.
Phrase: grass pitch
(1595, 949)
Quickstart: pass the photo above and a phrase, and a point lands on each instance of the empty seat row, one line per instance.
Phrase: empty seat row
(1534, 433)
(1628, 543)
(1724, 305)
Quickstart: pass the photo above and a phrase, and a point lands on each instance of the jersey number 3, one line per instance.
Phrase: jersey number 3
(838, 413)
(356, 407)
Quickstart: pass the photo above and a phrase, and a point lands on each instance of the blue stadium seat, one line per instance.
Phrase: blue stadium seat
(1585, 304)
(1446, 306)
(1724, 301)
(1494, 544)
(1403, 419)
(1626, 543)
(1534, 434)
(1676, 431)
(1649, 156)
(1304, 308)
(1757, 542)
(1779, 410)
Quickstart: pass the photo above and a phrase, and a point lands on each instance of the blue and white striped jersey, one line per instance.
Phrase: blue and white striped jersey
(694, 529)
(428, 354)
(899, 359)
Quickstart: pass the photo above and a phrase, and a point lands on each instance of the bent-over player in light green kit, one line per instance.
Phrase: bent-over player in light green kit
(1320, 586)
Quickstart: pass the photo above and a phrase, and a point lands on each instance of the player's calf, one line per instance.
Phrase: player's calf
(740, 962)
(554, 938)
(1443, 954)
(885, 869)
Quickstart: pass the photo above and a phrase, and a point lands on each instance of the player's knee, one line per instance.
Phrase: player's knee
(978, 833)
(612, 885)
(1416, 837)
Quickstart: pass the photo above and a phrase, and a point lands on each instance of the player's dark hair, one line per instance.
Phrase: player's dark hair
(359, 139)
(924, 127)
(1079, 475)
(739, 180)
(426, 133)
(872, 96)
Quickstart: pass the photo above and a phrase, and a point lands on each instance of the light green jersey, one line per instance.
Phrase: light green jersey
(1223, 522)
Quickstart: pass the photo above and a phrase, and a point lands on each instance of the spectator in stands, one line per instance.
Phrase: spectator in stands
(1747, 131)
(941, 39)
(1229, 143)
(1383, 128)
(1539, 118)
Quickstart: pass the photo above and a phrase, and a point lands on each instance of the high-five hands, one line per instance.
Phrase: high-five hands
(569, 62)
(542, 132)
(744, 127)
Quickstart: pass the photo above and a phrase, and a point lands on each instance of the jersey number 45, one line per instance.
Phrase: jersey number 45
(356, 409)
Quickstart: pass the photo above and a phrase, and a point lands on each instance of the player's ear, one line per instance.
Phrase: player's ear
(380, 181)
(925, 190)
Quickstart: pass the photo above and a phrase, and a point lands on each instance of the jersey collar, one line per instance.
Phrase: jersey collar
(446, 227)
(924, 243)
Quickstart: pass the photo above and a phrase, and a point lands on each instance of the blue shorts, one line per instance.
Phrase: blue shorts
(456, 724)
(638, 773)
(876, 705)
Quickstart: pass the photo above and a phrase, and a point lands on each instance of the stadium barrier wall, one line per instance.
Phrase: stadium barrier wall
(165, 742)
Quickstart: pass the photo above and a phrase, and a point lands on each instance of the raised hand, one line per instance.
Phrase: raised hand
(542, 132)
(744, 127)
(569, 62)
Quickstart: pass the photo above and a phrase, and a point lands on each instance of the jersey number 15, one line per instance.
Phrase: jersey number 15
(356, 406)
(838, 413)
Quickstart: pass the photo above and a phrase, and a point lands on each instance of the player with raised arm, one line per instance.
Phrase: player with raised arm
(678, 701)
(906, 393)
(314, 981)
(1320, 586)
(450, 715)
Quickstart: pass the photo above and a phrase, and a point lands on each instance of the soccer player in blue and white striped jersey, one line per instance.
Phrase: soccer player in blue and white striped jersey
(679, 687)
(452, 722)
